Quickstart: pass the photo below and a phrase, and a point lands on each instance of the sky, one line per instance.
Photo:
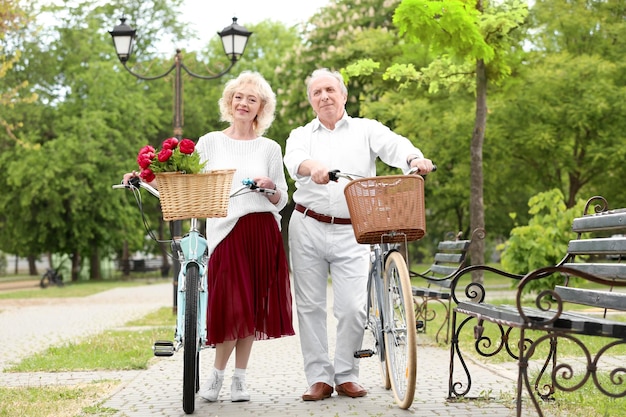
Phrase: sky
(208, 17)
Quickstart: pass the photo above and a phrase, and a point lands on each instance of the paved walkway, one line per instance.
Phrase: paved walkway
(275, 376)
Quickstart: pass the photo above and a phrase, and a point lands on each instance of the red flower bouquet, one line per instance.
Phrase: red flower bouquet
(174, 156)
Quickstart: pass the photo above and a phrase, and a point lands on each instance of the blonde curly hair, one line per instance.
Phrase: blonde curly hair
(262, 88)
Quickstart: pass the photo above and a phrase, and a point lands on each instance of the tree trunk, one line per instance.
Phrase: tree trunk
(165, 260)
(125, 260)
(75, 269)
(94, 264)
(477, 209)
(32, 265)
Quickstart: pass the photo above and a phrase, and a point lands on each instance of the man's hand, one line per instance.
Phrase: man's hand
(314, 169)
(423, 165)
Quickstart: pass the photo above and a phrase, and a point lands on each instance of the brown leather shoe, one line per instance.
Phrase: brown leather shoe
(351, 389)
(317, 391)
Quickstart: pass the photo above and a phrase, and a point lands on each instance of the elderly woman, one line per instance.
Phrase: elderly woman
(248, 274)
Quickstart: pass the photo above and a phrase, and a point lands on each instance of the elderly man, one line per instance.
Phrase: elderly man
(321, 239)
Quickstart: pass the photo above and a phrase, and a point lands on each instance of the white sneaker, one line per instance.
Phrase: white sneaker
(211, 390)
(238, 391)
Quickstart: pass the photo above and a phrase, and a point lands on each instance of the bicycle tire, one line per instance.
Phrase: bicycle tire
(190, 339)
(375, 324)
(400, 337)
(46, 279)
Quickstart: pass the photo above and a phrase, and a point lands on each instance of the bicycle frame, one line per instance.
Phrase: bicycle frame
(191, 249)
(390, 315)
(191, 331)
(192, 295)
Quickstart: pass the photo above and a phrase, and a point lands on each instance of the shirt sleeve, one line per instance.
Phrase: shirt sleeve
(392, 148)
(297, 150)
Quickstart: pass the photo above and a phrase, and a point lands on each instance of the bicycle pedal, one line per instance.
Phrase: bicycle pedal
(163, 348)
(365, 353)
(419, 324)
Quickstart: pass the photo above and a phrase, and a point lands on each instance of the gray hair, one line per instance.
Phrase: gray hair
(268, 100)
(325, 72)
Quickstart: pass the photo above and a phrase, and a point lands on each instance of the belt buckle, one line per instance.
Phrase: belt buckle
(332, 219)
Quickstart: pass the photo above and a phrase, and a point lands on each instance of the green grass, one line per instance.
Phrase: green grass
(55, 400)
(121, 349)
(111, 350)
(78, 289)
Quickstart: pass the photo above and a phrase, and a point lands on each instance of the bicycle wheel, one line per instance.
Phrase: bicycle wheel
(376, 326)
(190, 339)
(400, 338)
(45, 280)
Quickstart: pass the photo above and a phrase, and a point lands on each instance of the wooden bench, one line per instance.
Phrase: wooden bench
(560, 314)
(451, 257)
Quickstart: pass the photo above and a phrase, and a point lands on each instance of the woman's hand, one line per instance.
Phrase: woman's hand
(268, 184)
(128, 176)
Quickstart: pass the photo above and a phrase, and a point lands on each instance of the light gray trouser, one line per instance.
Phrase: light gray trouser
(317, 249)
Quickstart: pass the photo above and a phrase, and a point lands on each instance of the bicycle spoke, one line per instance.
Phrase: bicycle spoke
(400, 339)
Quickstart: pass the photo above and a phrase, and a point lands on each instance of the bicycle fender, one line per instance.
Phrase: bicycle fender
(193, 246)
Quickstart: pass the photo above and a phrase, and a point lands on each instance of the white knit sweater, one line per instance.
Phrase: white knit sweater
(250, 158)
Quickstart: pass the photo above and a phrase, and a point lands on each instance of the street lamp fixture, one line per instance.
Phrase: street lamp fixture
(123, 37)
(234, 39)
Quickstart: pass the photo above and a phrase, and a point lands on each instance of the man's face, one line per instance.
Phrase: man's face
(327, 98)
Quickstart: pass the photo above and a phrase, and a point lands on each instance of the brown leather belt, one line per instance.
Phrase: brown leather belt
(321, 217)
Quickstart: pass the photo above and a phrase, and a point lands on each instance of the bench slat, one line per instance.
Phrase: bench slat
(613, 219)
(454, 245)
(571, 322)
(451, 258)
(607, 246)
(430, 293)
(613, 271)
(593, 298)
(443, 270)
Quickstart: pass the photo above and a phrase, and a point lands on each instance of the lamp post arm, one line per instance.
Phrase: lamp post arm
(207, 77)
(141, 77)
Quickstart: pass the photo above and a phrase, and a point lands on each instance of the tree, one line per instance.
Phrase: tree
(473, 42)
(82, 135)
(568, 100)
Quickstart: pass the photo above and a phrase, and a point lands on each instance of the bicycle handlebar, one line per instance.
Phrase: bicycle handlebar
(136, 183)
(335, 174)
(248, 182)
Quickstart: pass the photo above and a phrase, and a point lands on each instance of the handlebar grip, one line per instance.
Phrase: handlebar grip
(332, 175)
(248, 182)
(434, 168)
(134, 181)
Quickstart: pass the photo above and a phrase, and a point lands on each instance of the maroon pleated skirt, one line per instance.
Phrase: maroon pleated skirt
(248, 283)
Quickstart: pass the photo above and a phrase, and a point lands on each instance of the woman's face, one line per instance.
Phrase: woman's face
(246, 104)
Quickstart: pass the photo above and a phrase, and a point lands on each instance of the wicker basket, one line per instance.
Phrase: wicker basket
(186, 196)
(387, 209)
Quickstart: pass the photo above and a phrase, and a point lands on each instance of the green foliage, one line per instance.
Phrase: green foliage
(443, 24)
(571, 108)
(543, 242)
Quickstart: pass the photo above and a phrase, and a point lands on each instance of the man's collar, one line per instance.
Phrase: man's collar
(344, 119)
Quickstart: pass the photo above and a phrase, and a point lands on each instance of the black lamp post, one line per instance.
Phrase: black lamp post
(234, 39)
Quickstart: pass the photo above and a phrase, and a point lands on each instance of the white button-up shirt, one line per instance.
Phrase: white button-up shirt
(352, 147)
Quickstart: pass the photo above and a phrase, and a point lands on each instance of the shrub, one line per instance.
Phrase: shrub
(543, 242)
